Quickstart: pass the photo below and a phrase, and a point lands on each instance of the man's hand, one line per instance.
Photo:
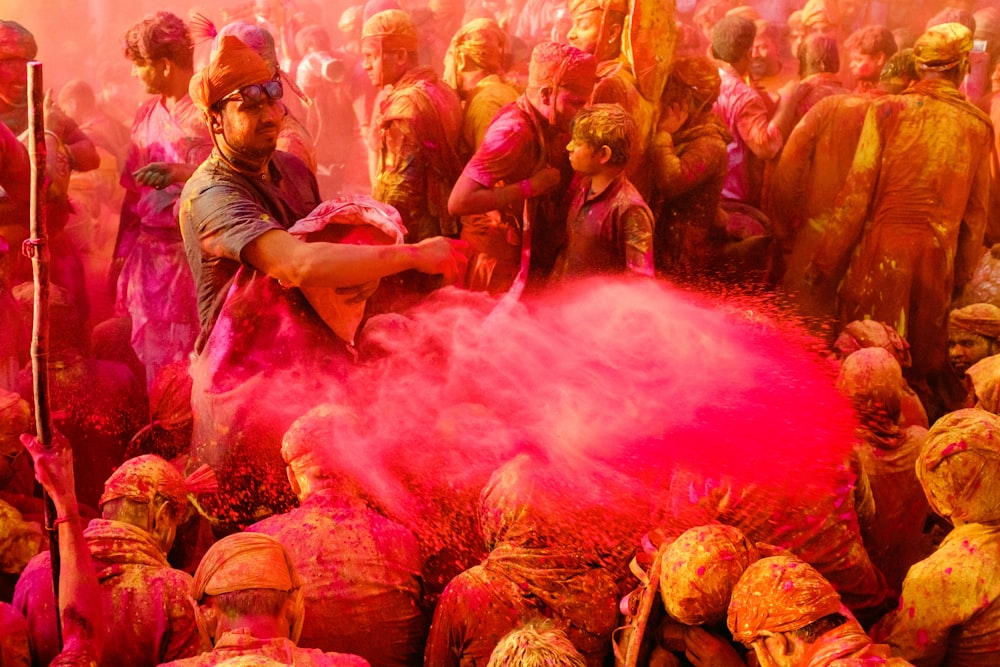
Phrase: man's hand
(161, 174)
(544, 181)
(706, 650)
(54, 470)
(673, 118)
(442, 255)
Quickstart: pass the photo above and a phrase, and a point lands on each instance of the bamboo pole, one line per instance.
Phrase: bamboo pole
(37, 248)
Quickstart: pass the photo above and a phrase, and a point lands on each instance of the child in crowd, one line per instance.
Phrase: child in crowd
(610, 227)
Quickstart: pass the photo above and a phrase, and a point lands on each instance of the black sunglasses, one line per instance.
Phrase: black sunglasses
(254, 94)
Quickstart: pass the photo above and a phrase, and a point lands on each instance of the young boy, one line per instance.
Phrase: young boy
(610, 227)
(869, 48)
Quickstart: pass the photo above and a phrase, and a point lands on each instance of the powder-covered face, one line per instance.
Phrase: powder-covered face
(866, 67)
(14, 81)
(966, 348)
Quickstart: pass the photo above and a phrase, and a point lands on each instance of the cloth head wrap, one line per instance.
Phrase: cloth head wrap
(15, 415)
(577, 7)
(959, 466)
(701, 76)
(232, 66)
(350, 20)
(170, 395)
(746, 12)
(245, 561)
(699, 570)
(982, 319)
(779, 594)
(871, 373)
(516, 505)
(819, 11)
(985, 378)
(558, 65)
(872, 333)
(394, 28)
(257, 38)
(942, 47)
(484, 42)
(16, 41)
(307, 439)
(142, 479)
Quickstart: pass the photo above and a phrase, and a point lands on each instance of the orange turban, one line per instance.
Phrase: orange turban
(562, 66)
(942, 47)
(699, 570)
(245, 561)
(143, 478)
(16, 41)
(985, 378)
(779, 594)
(233, 66)
(982, 319)
(959, 466)
(394, 28)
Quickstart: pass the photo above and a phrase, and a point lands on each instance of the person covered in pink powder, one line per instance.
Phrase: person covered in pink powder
(252, 605)
(538, 568)
(356, 564)
(169, 141)
(146, 611)
(610, 228)
(949, 612)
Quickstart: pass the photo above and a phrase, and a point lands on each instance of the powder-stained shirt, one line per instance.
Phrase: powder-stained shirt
(357, 565)
(949, 612)
(236, 644)
(148, 616)
(482, 104)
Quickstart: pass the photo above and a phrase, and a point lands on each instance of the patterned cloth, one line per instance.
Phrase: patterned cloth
(134, 575)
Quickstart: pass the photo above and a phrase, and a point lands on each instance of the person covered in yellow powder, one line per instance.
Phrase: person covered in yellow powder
(949, 612)
(148, 615)
(474, 67)
(790, 616)
(914, 205)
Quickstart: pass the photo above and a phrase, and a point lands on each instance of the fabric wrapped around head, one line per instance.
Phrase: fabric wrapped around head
(232, 66)
(577, 7)
(959, 466)
(482, 41)
(701, 76)
(982, 319)
(394, 28)
(15, 417)
(985, 378)
(698, 572)
(305, 443)
(143, 478)
(245, 561)
(820, 11)
(779, 594)
(518, 505)
(746, 12)
(942, 47)
(558, 65)
(872, 333)
(16, 41)
(257, 38)
(871, 374)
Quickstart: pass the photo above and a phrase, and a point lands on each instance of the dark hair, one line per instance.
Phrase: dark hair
(871, 40)
(160, 35)
(732, 38)
(251, 602)
(901, 64)
(817, 629)
(818, 53)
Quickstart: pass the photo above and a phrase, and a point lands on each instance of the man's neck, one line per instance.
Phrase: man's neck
(600, 181)
(176, 88)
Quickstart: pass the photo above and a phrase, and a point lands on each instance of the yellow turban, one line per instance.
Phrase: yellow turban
(233, 66)
(820, 11)
(143, 478)
(942, 47)
(245, 561)
(982, 319)
(394, 28)
(484, 42)
(959, 466)
(699, 570)
(779, 594)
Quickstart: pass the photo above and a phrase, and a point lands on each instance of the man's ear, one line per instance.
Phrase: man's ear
(214, 121)
(545, 94)
(166, 66)
(460, 60)
(293, 480)
(604, 154)
(614, 33)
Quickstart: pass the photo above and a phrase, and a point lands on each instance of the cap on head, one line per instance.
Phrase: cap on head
(16, 41)
(393, 28)
(142, 479)
(942, 47)
(558, 65)
(233, 65)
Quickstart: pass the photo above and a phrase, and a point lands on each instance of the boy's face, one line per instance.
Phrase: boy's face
(584, 157)
(866, 67)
